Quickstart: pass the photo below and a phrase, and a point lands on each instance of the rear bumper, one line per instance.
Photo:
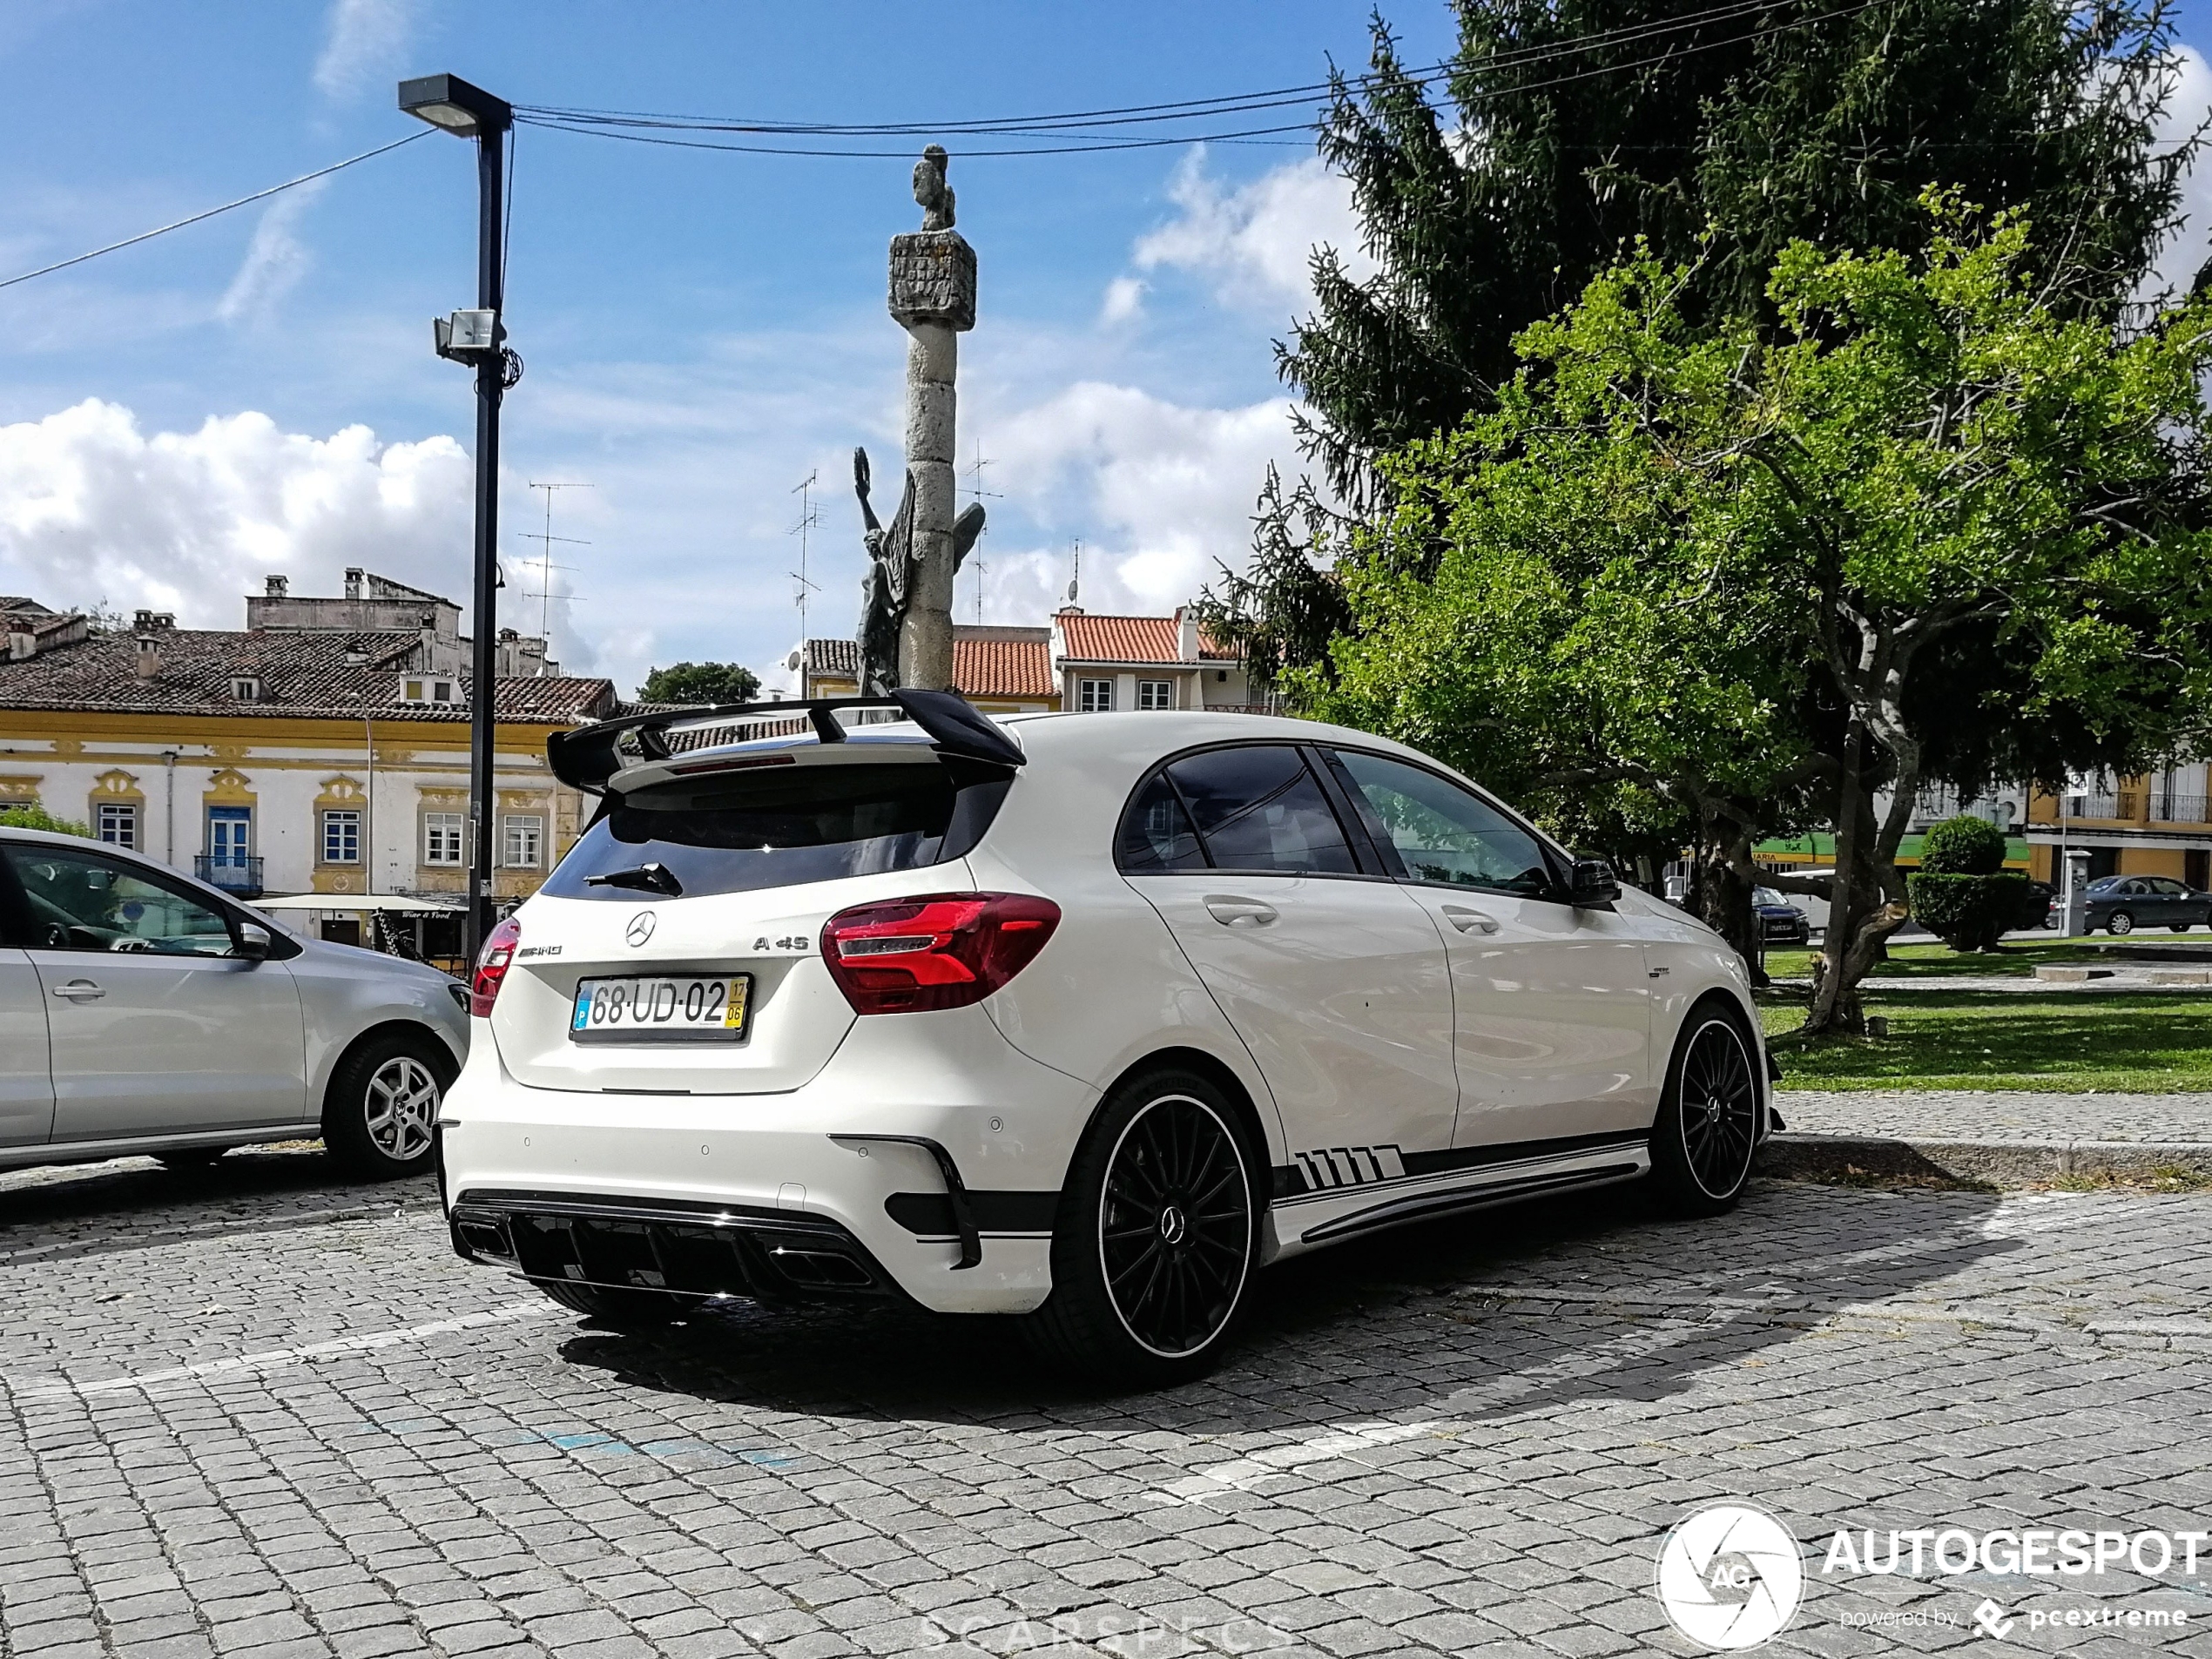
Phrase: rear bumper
(924, 1161)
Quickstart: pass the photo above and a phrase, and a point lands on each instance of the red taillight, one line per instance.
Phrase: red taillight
(945, 951)
(491, 966)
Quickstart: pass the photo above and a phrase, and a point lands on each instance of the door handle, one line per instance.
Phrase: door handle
(1231, 911)
(1466, 920)
(78, 990)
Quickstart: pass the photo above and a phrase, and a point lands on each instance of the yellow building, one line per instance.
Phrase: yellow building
(299, 758)
(2158, 825)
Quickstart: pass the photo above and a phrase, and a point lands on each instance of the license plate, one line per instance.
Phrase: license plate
(662, 1008)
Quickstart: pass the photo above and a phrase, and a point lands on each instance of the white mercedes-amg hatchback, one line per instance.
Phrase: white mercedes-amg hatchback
(1082, 1017)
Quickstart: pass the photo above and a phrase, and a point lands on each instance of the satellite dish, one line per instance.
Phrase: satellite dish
(1071, 593)
(791, 661)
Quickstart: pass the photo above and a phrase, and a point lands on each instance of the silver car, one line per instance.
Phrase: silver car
(144, 1012)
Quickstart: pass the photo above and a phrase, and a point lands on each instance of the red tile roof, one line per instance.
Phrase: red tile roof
(301, 674)
(1003, 662)
(1094, 638)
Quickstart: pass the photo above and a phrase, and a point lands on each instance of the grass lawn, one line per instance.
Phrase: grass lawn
(1940, 962)
(2108, 1042)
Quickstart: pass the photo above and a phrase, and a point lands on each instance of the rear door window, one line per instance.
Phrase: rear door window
(1257, 808)
(780, 828)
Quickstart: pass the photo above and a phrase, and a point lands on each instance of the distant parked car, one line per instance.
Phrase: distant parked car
(2123, 903)
(1780, 921)
(144, 1012)
(2041, 907)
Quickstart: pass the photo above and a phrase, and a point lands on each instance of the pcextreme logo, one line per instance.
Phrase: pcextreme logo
(1730, 1577)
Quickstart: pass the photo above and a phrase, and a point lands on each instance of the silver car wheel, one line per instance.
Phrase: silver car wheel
(401, 1104)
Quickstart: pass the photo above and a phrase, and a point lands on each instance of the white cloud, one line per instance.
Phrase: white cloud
(93, 508)
(275, 259)
(1161, 493)
(1124, 299)
(1254, 243)
(2189, 98)
(362, 43)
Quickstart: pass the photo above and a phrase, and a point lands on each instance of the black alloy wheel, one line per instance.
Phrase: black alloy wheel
(1174, 1232)
(1709, 1121)
(1158, 1237)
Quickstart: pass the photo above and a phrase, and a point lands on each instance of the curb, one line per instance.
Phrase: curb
(2001, 1162)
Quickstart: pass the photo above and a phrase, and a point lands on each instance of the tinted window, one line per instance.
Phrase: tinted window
(1262, 809)
(1157, 836)
(781, 828)
(1442, 833)
(80, 903)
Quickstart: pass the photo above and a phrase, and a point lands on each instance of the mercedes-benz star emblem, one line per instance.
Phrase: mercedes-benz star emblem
(640, 928)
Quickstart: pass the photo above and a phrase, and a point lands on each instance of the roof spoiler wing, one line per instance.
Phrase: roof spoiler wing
(586, 758)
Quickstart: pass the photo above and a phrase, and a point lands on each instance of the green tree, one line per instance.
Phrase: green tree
(38, 818)
(1568, 128)
(1734, 561)
(700, 683)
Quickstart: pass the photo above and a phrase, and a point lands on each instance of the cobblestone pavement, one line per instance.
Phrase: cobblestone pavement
(1996, 1114)
(250, 1411)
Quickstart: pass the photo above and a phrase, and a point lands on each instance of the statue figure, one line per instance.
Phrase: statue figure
(886, 588)
(931, 191)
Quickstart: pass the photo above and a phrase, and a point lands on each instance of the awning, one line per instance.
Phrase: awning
(358, 903)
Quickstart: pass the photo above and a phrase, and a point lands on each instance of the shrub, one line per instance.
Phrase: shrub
(1963, 845)
(1967, 912)
(38, 818)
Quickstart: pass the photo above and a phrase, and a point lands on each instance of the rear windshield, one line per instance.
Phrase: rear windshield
(781, 829)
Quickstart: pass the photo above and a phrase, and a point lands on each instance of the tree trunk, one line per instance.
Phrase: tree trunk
(1724, 895)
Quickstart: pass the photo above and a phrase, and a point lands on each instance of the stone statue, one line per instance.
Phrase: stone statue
(931, 191)
(884, 589)
(887, 589)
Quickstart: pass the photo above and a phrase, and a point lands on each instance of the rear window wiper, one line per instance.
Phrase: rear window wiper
(649, 878)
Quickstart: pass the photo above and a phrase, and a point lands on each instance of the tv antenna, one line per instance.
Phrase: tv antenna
(1076, 580)
(545, 539)
(977, 493)
(809, 516)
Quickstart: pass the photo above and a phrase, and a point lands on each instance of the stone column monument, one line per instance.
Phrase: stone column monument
(933, 298)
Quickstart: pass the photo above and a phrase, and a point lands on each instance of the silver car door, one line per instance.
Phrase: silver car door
(26, 1079)
(1552, 1003)
(154, 1026)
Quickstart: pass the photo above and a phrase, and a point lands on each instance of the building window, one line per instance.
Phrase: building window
(442, 691)
(442, 838)
(1093, 697)
(341, 836)
(119, 826)
(246, 688)
(524, 837)
(1155, 694)
(411, 692)
(230, 835)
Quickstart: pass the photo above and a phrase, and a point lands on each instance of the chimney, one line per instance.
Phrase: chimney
(356, 583)
(427, 622)
(1186, 634)
(149, 648)
(23, 645)
(277, 586)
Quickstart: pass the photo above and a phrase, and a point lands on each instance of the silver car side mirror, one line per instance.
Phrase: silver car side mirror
(253, 941)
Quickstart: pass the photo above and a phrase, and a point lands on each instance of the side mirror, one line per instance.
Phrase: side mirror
(1593, 883)
(253, 941)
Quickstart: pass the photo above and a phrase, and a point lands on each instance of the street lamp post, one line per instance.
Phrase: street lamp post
(479, 339)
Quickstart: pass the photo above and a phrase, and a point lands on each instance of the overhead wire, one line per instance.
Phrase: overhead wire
(259, 195)
(607, 129)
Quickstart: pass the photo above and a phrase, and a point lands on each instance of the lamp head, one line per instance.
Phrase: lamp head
(449, 102)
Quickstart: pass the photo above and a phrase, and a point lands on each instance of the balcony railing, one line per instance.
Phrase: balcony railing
(2181, 809)
(2126, 805)
(233, 873)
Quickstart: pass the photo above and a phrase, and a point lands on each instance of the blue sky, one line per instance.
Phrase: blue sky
(257, 395)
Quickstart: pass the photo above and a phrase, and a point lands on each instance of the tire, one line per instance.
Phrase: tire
(1157, 1236)
(2180, 926)
(2122, 923)
(623, 1310)
(1707, 1130)
(383, 1101)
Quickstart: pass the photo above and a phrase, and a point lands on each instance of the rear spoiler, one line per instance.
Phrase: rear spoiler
(587, 756)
